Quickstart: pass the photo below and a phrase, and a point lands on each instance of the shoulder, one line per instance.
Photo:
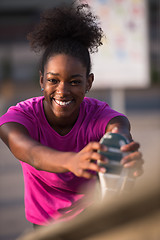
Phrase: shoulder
(30, 107)
(97, 115)
(93, 101)
(94, 104)
(25, 112)
(100, 108)
(29, 104)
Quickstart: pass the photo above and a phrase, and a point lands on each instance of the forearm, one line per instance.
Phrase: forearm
(40, 157)
(32, 152)
(47, 159)
(122, 124)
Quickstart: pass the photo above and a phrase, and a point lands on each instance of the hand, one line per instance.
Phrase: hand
(86, 160)
(134, 158)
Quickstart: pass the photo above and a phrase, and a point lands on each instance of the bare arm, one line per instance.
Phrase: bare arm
(26, 149)
(122, 124)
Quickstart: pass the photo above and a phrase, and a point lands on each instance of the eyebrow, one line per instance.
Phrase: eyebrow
(55, 74)
(72, 76)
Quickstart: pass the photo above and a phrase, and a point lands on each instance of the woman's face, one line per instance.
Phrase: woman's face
(65, 84)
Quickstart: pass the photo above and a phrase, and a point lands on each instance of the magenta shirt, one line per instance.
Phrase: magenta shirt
(57, 195)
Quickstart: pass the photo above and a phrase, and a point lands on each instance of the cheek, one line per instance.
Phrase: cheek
(81, 90)
(48, 89)
(47, 93)
(80, 93)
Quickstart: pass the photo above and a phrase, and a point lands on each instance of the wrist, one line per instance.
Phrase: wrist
(69, 161)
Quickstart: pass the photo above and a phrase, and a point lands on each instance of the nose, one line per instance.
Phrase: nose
(63, 89)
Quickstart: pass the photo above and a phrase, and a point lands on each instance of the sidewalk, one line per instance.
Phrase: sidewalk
(12, 222)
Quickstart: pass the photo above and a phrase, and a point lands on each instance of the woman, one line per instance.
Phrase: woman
(56, 136)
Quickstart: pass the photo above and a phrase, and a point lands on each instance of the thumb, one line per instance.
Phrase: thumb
(115, 130)
(123, 132)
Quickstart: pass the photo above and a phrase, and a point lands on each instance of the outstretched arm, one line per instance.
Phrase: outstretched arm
(26, 149)
(41, 157)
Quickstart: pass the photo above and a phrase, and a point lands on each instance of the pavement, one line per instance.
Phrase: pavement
(12, 222)
(145, 129)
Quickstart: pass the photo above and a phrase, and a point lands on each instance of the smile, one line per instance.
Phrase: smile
(62, 103)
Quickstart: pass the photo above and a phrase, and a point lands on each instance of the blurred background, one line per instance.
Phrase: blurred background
(135, 89)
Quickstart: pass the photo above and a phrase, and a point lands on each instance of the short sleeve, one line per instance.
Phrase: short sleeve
(107, 113)
(18, 115)
(101, 114)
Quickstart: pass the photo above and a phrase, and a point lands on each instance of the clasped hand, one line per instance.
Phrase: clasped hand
(84, 163)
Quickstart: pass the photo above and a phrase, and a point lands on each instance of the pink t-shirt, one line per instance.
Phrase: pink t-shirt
(57, 195)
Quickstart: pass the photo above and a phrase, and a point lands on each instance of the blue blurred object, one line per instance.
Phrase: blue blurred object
(113, 141)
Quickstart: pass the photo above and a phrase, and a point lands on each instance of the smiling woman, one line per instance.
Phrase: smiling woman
(56, 136)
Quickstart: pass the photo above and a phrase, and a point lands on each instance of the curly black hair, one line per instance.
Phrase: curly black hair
(70, 29)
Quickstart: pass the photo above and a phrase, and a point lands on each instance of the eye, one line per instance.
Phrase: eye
(75, 82)
(53, 80)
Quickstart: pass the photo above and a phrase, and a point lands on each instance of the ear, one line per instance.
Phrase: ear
(90, 80)
(41, 79)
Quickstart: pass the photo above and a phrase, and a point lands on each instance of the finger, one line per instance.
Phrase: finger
(99, 157)
(132, 156)
(85, 174)
(115, 130)
(87, 165)
(130, 164)
(93, 167)
(132, 146)
(88, 175)
(123, 131)
(134, 164)
(94, 156)
(94, 146)
(138, 172)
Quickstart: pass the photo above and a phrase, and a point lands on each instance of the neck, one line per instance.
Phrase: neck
(61, 125)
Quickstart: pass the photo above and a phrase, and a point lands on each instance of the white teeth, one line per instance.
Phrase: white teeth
(62, 103)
